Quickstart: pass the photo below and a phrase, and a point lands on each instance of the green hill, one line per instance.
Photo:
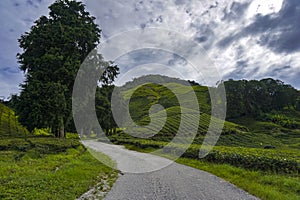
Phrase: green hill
(9, 125)
(276, 128)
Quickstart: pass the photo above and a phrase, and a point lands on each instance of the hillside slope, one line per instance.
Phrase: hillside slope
(249, 131)
(9, 125)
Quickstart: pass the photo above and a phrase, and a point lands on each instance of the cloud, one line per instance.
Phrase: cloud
(9, 81)
(279, 31)
(235, 11)
(244, 38)
(16, 17)
(241, 37)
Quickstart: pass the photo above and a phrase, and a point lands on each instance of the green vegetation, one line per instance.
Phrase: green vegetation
(266, 186)
(49, 168)
(268, 160)
(39, 166)
(253, 98)
(261, 131)
(9, 124)
(258, 149)
(36, 165)
(142, 98)
(53, 51)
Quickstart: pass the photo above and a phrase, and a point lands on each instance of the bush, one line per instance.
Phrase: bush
(283, 121)
(72, 135)
(43, 132)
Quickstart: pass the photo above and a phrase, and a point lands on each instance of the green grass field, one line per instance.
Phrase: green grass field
(38, 166)
(49, 168)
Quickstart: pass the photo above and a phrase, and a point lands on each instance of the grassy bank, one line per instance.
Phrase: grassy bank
(266, 186)
(49, 168)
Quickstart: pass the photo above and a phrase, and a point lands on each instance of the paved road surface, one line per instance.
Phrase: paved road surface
(174, 182)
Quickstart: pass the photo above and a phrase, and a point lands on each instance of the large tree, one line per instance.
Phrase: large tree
(53, 51)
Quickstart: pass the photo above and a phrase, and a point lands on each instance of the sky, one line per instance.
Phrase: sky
(245, 39)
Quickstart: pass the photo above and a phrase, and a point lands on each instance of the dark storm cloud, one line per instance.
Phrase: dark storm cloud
(240, 70)
(204, 35)
(213, 5)
(144, 56)
(279, 32)
(280, 71)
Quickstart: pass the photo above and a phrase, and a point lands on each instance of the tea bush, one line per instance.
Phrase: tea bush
(272, 160)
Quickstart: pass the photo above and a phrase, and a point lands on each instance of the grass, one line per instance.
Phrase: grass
(266, 186)
(263, 185)
(49, 168)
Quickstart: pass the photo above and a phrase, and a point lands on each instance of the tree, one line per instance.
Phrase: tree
(53, 51)
(104, 107)
(253, 98)
(235, 94)
(297, 104)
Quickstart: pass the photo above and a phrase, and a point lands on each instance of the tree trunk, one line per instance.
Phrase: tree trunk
(62, 131)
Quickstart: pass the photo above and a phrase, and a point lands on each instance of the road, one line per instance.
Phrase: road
(147, 176)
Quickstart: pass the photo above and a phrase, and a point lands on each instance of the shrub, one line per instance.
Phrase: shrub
(283, 121)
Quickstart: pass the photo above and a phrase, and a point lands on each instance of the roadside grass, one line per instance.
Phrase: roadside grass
(265, 185)
(49, 168)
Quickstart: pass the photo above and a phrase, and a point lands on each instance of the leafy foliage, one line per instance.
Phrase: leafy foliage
(252, 98)
(283, 121)
(53, 51)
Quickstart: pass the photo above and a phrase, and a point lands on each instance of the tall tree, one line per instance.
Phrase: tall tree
(53, 51)
(235, 98)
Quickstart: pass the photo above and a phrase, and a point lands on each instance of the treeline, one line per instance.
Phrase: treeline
(252, 98)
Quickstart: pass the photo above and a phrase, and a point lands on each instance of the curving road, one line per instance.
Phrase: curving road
(175, 181)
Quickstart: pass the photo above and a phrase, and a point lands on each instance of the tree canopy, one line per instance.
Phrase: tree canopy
(255, 97)
(53, 51)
